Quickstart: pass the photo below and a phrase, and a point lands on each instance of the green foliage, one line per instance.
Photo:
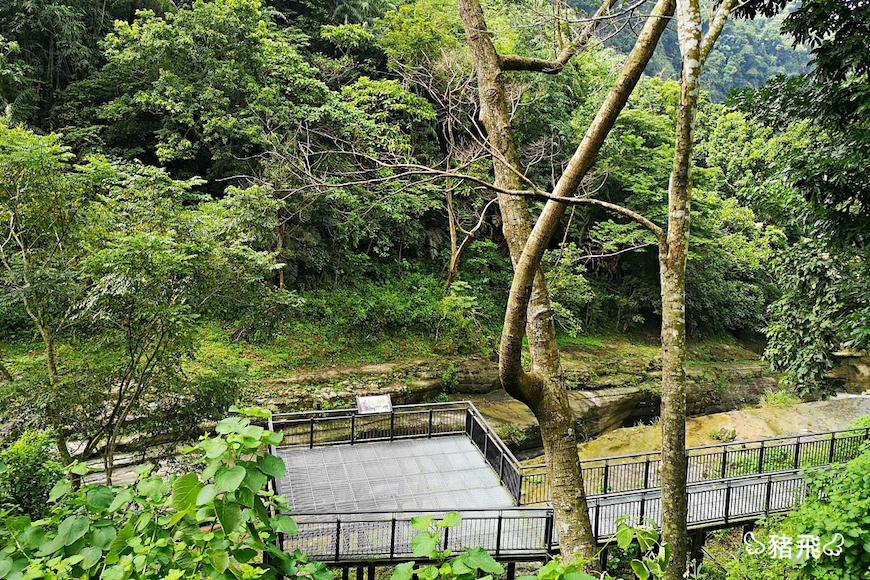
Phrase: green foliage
(28, 474)
(470, 564)
(780, 398)
(216, 524)
(837, 503)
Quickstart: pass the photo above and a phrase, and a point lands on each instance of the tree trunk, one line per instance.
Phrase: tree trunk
(672, 268)
(548, 400)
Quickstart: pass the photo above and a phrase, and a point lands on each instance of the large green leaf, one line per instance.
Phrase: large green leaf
(123, 497)
(185, 491)
(640, 569)
(206, 494)
(229, 514)
(59, 490)
(480, 559)
(73, 528)
(424, 543)
(90, 556)
(451, 520)
(271, 465)
(285, 524)
(403, 571)
(99, 498)
(229, 479)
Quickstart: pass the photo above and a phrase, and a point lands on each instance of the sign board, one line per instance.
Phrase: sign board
(374, 404)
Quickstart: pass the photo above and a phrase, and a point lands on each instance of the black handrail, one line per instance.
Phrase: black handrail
(707, 462)
(529, 532)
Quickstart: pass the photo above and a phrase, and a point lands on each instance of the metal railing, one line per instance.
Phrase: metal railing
(530, 533)
(726, 460)
(346, 426)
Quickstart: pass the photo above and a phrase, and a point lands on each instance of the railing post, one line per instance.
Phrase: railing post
(831, 455)
(642, 508)
(337, 539)
(724, 460)
(392, 424)
(498, 536)
(767, 494)
(393, 538)
(501, 466)
(548, 530)
(429, 433)
(606, 475)
(352, 427)
(311, 435)
(797, 453)
(596, 529)
(446, 536)
(761, 459)
(727, 499)
(646, 473)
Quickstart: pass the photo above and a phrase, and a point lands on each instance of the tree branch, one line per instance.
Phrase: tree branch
(716, 26)
(528, 63)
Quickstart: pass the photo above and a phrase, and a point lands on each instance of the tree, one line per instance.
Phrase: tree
(820, 177)
(122, 252)
(529, 312)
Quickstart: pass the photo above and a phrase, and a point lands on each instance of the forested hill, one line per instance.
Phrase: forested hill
(747, 54)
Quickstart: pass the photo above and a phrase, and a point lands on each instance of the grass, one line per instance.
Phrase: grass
(780, 398)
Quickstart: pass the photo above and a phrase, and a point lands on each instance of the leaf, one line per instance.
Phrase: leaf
(229, 514)
(421, 523)
(255, 479)
(60, 489)
(640, 569)
(428, 573)
(32, 537)
(480, 559)
(423, 544)
(6, 566)
(90, 556)
(624, 536)
(273, 438)
(102, 537)
(219, 560)
(451, 520)
(213, 447)
(124, 497)
(271, 465)
(404, 571)
(285, 525)
(99, 498)
(206, 494)
(185, 491)
(229, 479)
(78, 468)
(72, 528)
(115, 572)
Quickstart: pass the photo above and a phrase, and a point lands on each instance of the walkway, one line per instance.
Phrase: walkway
(356, 481)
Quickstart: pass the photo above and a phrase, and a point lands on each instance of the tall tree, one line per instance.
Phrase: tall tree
(673, 252)
(529, 312)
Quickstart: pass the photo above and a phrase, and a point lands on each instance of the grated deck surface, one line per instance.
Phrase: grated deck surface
(442, 473)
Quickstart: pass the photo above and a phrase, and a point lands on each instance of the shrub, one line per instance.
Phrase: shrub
(222, 523)
(28, 474)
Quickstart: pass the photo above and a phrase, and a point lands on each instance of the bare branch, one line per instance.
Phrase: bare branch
(517, 62)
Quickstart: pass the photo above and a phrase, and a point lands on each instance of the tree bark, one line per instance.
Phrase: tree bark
(529, 312)
(673, 254)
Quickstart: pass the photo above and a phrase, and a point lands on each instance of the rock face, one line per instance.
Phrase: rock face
(607, 390)
(853, 371)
